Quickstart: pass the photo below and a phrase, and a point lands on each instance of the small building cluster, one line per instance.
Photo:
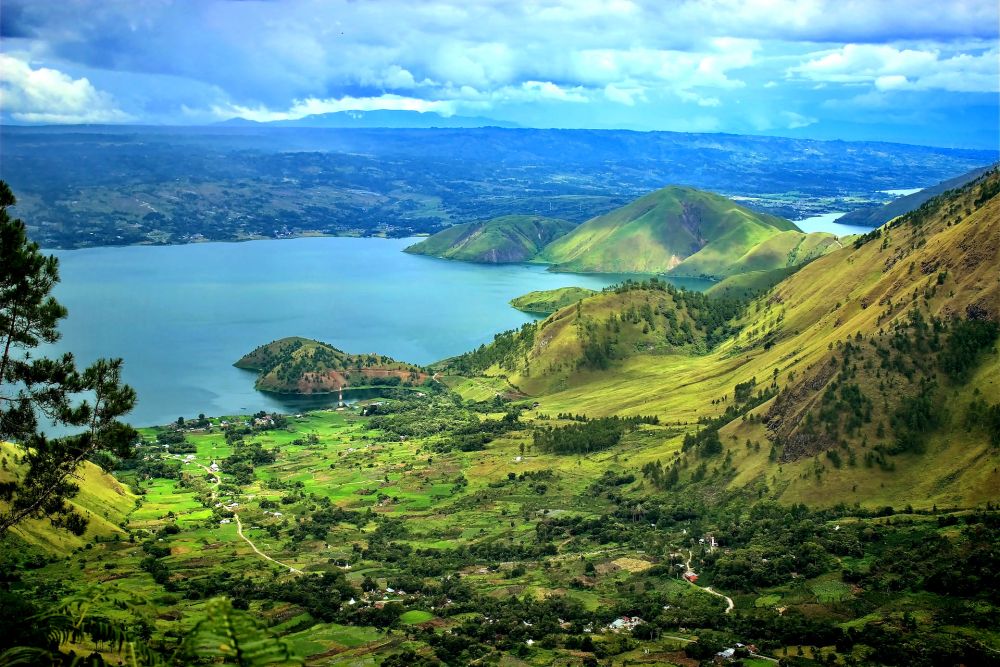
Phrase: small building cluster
(624, 623)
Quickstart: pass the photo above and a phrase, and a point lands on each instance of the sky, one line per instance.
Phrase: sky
(912, 71)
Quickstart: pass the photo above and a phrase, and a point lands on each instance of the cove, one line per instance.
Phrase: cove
(181, 315)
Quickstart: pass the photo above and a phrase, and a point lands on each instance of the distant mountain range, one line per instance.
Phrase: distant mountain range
(376, 119)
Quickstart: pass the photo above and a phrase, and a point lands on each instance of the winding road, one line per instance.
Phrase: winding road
(708, 589)
(239, 524)
(239, 531)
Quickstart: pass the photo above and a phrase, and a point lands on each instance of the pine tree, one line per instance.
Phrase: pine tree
(36, 387)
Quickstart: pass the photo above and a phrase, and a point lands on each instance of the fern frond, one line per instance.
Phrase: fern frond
(25, 655)
(236, 638)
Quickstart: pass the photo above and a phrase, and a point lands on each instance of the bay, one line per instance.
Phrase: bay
(180, 316)
(826, 222)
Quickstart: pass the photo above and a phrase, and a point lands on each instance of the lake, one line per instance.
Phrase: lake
(826, 222)
(181, 315)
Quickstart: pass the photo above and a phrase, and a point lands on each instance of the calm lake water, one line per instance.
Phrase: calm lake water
(825, 223)
(181, 315)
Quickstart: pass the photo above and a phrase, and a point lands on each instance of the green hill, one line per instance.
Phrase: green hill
(297, 365)
(845, 386)
(505, 240)
(879, 215)
(594, 335)
(659, 231)
(546, 302)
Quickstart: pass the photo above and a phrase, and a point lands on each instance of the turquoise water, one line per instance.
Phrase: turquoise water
(181, 315)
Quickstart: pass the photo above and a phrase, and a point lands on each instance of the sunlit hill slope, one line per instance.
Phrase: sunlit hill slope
(678, 229)
(103, 501)
(507, 239)
(868, 375)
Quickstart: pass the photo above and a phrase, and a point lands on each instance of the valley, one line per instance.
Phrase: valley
(823, 460)
(615, 333)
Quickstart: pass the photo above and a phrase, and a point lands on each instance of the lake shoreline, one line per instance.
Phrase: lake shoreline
(308, 235)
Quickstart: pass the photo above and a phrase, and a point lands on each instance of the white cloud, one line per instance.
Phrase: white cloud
(397, 77)
(634, 61)
(795, 120)
(624, 94)
(47, 95)
(312, 106)
(869, 21)
(891, 82)
(890, 68)
(688, 96)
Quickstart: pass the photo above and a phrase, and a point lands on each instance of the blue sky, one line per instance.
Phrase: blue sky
(916, 71)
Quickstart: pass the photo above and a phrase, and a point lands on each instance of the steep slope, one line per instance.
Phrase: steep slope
(546, 302)
(102, 500)
(747, 284)
(302, 366)
(780, 251)
(596, 334)
(657, 232)
(504, 240)
(879, 215)
(870, 375)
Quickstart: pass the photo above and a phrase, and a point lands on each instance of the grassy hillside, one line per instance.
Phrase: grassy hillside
(103, 500)
(507, 239)
(656, 233)
(297, 365)
(780, 251)
(851, 379)
(546, 302)
(747, 284)
(595, 334)
(879, 215)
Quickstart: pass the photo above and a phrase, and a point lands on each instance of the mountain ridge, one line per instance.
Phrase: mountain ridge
(877, 216)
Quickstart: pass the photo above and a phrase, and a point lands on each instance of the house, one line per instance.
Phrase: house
(624, 623)
(691, 576)
(214, 467)
(727, 654)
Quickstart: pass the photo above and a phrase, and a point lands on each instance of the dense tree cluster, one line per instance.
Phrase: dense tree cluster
(587, 437)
